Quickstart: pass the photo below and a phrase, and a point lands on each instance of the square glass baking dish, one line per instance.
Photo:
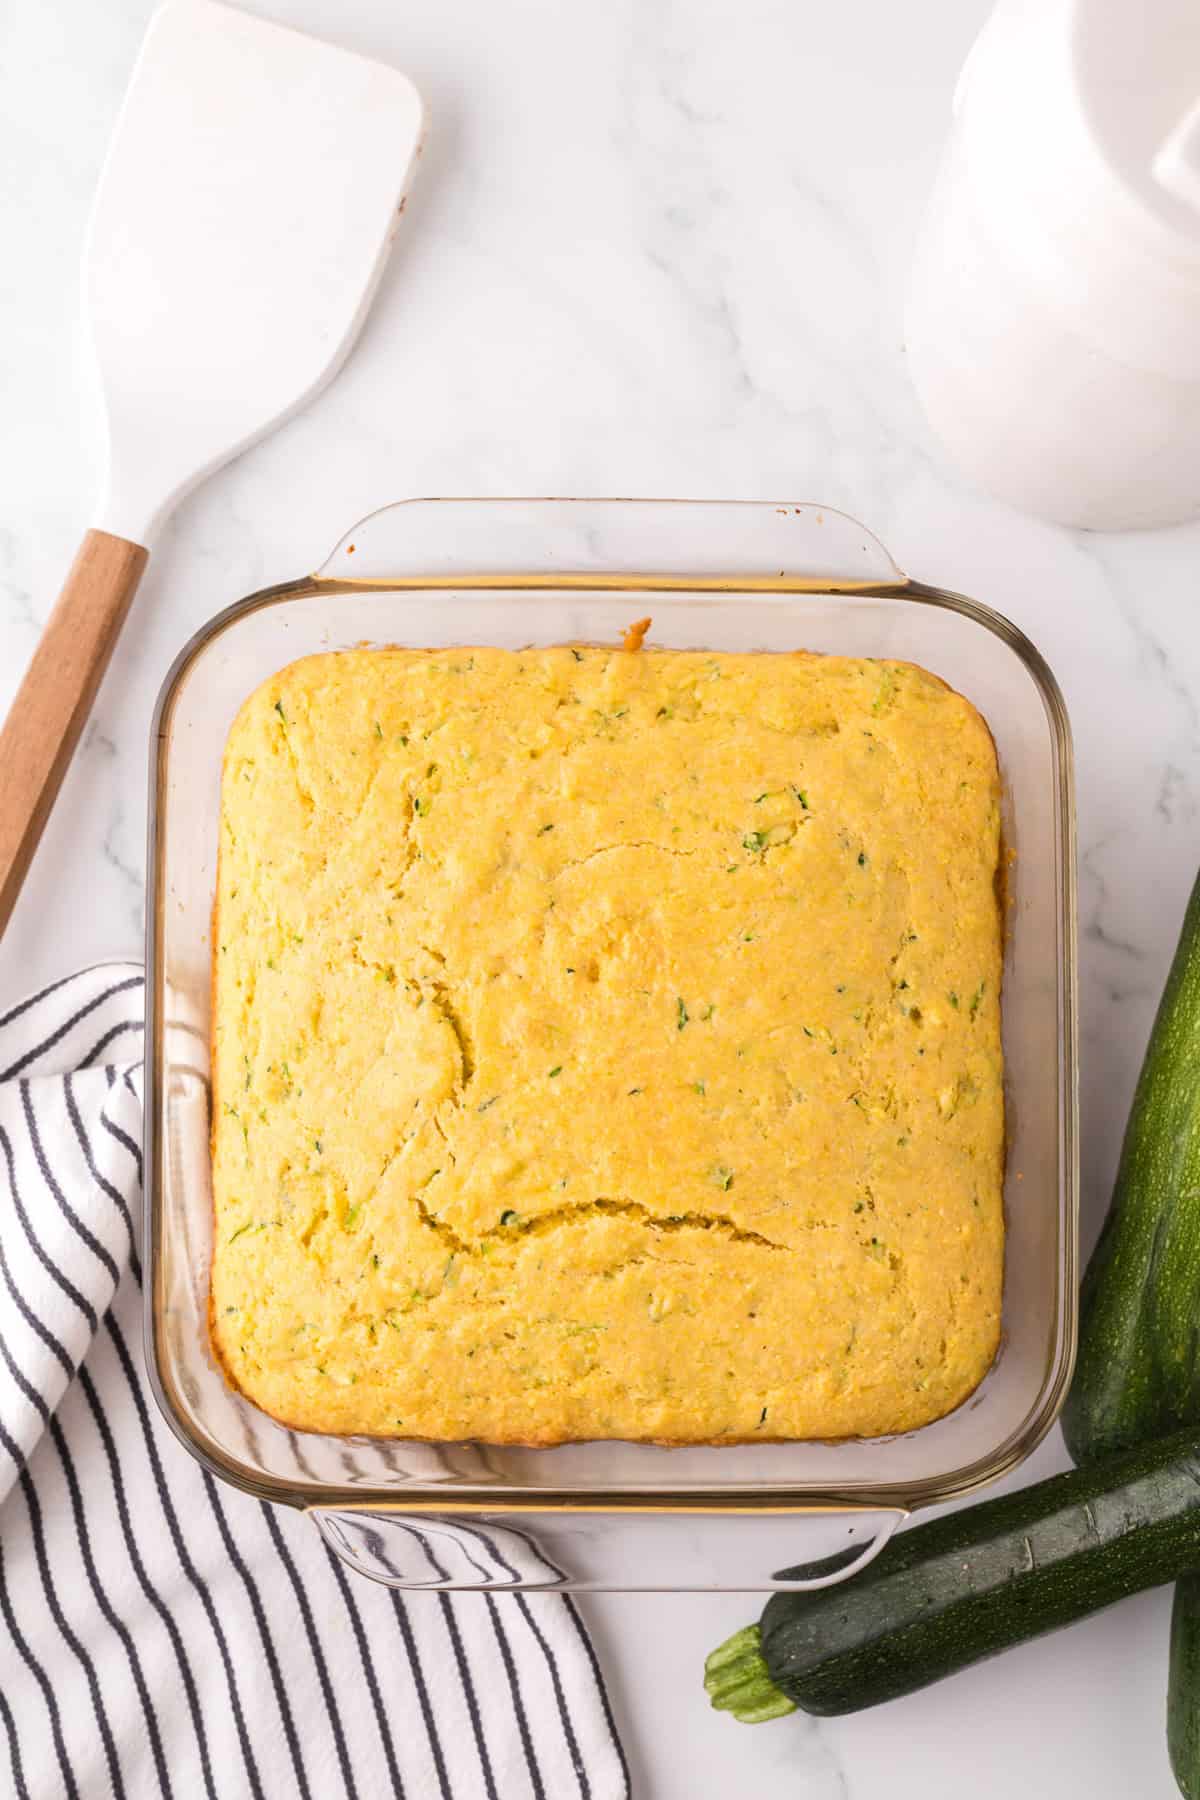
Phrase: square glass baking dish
(611, 1515)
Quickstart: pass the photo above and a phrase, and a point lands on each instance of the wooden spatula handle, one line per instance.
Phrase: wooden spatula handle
(52, 704)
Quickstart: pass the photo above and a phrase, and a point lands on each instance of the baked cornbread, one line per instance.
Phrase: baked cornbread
(607, 1044)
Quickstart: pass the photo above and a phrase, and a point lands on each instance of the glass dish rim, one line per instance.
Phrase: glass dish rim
(906, 1496)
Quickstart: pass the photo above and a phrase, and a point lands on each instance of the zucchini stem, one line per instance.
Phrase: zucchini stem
(737, 1682)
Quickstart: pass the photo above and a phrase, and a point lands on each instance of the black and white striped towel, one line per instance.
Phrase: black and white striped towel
(161, 1633)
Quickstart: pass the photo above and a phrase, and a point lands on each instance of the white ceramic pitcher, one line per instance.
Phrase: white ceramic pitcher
(1053, 320)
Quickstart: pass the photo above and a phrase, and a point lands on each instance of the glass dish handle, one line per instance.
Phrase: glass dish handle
(568, 1551)
(688, 542)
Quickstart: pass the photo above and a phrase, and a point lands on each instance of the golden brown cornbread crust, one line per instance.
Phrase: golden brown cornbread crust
(607, 1045)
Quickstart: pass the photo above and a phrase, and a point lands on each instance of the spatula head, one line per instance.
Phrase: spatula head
(242, 221)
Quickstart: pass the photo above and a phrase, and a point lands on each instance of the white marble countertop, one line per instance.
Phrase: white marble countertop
(655, 248)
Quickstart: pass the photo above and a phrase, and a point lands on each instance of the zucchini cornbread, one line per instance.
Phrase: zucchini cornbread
(607, 1045)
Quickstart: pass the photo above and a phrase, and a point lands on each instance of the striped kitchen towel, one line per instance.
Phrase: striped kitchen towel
(162, 1633)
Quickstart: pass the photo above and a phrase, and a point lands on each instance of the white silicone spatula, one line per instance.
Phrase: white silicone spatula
(241, 225)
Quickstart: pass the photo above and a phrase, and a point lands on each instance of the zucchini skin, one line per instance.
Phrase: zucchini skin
(1183, 1688)
(1138, 1369)
(950, 1593)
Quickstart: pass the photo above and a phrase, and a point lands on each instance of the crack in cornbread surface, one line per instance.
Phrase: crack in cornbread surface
(607, 1044)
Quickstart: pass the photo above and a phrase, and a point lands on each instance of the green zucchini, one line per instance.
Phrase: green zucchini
(947, 1594)
(1183, 1687)
(1138, 1370)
